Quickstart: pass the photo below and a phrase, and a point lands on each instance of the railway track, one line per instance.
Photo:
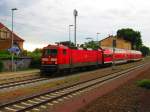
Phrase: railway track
(43, 100)
(20, 83)
(10, 83)
(18, 77)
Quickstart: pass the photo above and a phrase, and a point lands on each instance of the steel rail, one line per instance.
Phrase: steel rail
(17, 83)
(64, 91)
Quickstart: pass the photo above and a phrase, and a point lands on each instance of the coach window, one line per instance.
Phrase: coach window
(107, 55)
(64, 51)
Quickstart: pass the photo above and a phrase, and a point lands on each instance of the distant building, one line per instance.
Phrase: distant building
(6, 38)
(120, 42)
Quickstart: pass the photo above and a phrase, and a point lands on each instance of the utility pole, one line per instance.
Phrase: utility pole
(113, 56)
(97, 47)
(69, 35)
(75, 13)
(97, 38)
(12, 39)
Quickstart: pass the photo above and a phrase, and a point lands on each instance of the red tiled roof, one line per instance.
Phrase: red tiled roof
(16, 37)
(1, 25)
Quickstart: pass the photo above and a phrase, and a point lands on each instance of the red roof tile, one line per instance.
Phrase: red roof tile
(1, 25)
(16, 37)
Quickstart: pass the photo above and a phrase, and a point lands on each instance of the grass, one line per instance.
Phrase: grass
(145, 83)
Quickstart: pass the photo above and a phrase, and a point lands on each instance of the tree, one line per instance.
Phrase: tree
(133, 36)
(36, 56)
(37, 50)
(24, 53)
(91, 44)
(67, 43)
(145, 50)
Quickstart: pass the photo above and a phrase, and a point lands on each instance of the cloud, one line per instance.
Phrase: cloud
(46, 21)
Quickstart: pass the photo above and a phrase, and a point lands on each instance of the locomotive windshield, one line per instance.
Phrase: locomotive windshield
(50, 52)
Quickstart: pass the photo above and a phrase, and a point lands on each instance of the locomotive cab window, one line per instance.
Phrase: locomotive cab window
(64, 52)
(50, 52)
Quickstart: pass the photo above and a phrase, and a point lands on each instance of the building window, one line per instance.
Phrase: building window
(4, 35)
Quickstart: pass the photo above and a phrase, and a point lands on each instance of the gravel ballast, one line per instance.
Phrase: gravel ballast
(127, 98)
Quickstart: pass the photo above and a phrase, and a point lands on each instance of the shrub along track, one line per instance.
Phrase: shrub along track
(42, 100)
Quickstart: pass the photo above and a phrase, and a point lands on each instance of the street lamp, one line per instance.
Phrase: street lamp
(97, 38)
(75, 13)
(69, 34)
(12, 39)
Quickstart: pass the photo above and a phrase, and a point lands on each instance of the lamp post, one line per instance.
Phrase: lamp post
(69, 34)
(12, 39)
(97, 38)
(75, 13)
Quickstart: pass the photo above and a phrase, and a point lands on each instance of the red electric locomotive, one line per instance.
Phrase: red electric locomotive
(60, 57)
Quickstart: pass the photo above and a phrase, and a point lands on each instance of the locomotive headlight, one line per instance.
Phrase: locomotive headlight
(53, 59)
(44, 59)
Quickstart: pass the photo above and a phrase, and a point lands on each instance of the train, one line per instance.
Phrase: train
(59, 57)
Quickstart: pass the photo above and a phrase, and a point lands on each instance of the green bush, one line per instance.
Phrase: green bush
(6, 54)
(35, 63)
(1, 66)
(145, 83)
(36, 56)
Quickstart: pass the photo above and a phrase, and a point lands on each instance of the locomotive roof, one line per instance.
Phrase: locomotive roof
(56, 46)
(65, 47)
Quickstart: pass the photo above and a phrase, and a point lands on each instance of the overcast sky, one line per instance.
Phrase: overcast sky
(42, 22)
